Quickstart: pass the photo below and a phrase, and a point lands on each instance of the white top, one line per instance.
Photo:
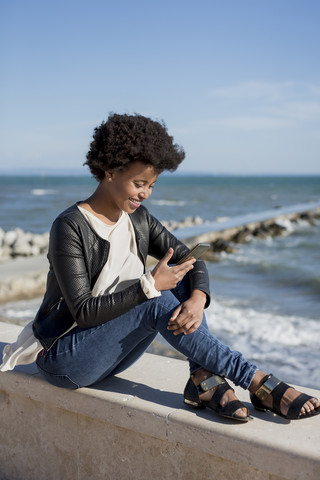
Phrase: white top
(122, 269)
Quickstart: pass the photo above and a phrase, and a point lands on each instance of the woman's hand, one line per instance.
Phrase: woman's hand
(166, 277)
(187, 317)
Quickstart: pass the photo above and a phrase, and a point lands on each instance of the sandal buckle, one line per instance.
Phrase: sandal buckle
(267, 387)
(211, 382)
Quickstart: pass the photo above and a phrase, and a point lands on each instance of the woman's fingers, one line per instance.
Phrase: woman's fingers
(175, 315)
(167, 277)
(185, 267)
(186, 329)
(167, 256)
(183, 321)
(181, 270)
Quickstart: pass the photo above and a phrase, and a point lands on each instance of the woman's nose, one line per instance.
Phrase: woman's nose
(145, 193)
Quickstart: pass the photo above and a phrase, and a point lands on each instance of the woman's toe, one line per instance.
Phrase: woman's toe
(310, 406)
(241, 413)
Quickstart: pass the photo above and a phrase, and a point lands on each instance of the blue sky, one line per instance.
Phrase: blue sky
(237, 81)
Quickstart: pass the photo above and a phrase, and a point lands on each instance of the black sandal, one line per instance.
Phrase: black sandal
(274, 387)
(192, 394)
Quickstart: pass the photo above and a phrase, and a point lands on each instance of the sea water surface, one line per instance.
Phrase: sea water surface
(265, 296)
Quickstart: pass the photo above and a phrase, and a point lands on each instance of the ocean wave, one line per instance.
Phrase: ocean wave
(43, 191)
(288, 346)
(176, 203)
(261, 328)
(19, 312)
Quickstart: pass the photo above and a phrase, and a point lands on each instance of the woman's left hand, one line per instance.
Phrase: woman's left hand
(187, 317)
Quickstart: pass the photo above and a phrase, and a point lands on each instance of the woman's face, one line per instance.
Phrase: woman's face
(126, 190)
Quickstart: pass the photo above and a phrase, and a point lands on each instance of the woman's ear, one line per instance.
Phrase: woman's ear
(108, 176)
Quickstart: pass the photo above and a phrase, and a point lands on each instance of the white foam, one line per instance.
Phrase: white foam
(43, 191)
(19, 312)
(176, 203)
(288, 346)
(285, 223)
(11, 313)
(266, 328)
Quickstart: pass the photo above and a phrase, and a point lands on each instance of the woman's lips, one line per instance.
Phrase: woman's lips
(134, 202)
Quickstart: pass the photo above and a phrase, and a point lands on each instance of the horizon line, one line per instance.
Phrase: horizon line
(79, 173)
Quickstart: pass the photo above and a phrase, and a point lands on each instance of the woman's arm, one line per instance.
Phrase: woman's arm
(161, 240)
(66, 255)
(188, 316)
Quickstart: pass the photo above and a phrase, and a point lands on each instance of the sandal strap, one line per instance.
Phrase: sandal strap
(296, 405)
(231, 408)
(270, 382)
(211, 382)
(274, 387)
(218, 394)
(277, 395)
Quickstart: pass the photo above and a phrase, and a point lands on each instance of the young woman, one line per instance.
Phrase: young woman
(101, 310)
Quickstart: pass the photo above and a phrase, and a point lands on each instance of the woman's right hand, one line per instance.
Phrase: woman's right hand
(166, 277)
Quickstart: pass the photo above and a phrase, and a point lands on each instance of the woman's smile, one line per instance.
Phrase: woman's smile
(126, 190)
(135, 203)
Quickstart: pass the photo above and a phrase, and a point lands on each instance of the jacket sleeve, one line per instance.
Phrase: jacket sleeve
(160, 240)
(66, 255)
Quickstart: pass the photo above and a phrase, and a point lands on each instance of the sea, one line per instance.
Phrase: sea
(265, 295)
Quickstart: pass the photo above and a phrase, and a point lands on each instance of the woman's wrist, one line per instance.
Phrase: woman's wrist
(199, 296)
(148, 286)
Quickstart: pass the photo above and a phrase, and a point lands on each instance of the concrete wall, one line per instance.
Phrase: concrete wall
(135, 426)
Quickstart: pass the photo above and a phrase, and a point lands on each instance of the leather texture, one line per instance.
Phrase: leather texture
(76, 257)
(277, 390)
(192, 397)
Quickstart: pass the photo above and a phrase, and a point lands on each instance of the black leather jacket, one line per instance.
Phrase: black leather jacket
(76, 257)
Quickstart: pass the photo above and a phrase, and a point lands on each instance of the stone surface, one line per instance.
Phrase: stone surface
(136, 426)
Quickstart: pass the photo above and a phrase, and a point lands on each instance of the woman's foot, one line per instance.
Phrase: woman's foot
(229, 396)
(288, 398)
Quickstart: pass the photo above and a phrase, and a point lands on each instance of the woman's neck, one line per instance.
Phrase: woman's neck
(98, 205)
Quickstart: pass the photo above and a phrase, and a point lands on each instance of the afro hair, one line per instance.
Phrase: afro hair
(124, 139)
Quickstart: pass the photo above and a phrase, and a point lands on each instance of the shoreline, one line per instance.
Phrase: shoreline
(24, 276)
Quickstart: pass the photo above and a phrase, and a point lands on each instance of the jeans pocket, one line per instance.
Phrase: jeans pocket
(62, 381)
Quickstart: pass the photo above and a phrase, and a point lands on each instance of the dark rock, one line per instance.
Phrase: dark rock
(276, 229)
(307, 217)
(242, 236)
(262, 231)
(221, 245)
(209, 256)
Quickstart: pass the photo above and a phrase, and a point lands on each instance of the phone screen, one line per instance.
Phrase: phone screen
(195, 252)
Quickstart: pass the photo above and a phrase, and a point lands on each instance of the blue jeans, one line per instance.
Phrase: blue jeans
(85, 356)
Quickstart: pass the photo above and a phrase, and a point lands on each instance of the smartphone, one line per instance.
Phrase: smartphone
(195, 252)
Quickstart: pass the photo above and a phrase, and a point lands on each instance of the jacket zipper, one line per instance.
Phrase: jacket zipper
(57, 304)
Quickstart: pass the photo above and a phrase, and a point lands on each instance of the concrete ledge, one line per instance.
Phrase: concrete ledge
(135, 426)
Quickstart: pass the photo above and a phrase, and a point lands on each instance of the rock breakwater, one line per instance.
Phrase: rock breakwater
(17, 243)
(24, 265)
(225, 236)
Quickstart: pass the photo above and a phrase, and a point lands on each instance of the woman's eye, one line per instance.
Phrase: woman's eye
(138, 186)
